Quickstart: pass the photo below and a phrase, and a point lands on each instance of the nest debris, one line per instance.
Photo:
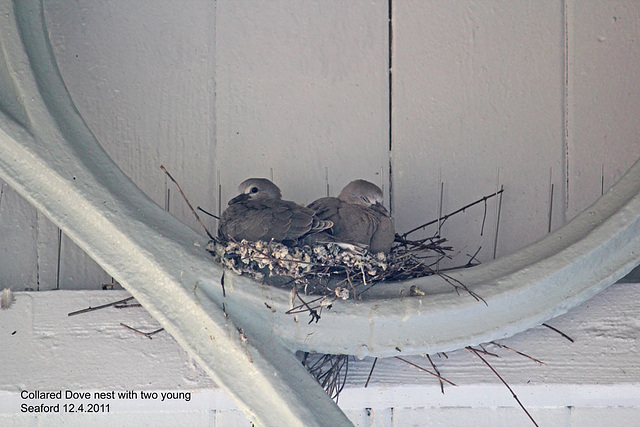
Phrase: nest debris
(330, 270)
(313, 267)
(320, 274)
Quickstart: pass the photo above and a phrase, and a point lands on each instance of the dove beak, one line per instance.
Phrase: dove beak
(379, 207)
(239, 198)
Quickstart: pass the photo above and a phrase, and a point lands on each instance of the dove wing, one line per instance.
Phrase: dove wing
(241, 221)
(326, 208)
(268, 219)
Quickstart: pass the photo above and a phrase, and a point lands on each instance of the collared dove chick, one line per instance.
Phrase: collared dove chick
(259, 213)
(358, 216)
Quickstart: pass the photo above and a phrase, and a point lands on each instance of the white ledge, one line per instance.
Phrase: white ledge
(597, 371)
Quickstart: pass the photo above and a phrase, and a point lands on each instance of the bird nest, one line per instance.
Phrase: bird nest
(320, 274)
(319, 269)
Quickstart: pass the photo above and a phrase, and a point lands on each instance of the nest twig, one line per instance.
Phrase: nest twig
(330, 370)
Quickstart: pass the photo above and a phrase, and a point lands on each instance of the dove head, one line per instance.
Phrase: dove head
(361, 192)
(257, 189)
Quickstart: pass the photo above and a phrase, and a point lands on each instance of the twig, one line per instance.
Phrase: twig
(434, 244)
(127, 305)
(86, 310)
(198, 208)
(473, 257)
(445, 217)
(146, 334)
(458, 284)
(498, 211)
(484, 218)
(344, 381)
(188, 203)
(437, 372)
(371, 372)
(332, 380)
(426, 370)
(487, 352)
(558, 331)
(477, 353)
(312, 312)
(518, 352)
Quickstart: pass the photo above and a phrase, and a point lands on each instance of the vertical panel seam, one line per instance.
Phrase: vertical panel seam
(213, 46)
(565, 12)
(37, 250)
(59, 259)
(390, 94)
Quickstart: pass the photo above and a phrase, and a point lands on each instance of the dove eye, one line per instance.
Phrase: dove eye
(365, 199)
(254, 190)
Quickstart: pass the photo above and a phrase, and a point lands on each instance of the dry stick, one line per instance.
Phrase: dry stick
(484, 218)
(498, 211)
(517, 352)
(426, 370)
(341, 384)
(487, 352)
(121, 306)
(477, 353)
(458, 284)
(445, 217)
(198, 208)
(434, 245)
(351, 285)
(371, 372)
(188, 203)
(472, 258)
(331, 380)
(86, 310)
(437, 372)
(312, 312)
(304, 307)
(558, 331)
(146, 334)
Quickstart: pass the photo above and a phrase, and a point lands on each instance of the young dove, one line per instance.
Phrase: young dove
(259, 213)
(358, 216)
